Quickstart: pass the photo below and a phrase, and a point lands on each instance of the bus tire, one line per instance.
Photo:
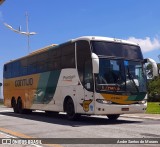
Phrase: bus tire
(113, 116)
(20, 106)
(70, 110)
(14, 105)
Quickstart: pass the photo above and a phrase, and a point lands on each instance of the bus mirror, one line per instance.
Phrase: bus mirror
(154, 66)
(95, 62)
(145, 61)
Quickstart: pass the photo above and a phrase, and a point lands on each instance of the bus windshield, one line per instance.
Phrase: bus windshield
(120, 75)
(127, 51)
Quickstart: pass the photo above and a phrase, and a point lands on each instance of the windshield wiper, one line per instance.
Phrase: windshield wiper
(110, 57)
(131, 78)
(103, 56)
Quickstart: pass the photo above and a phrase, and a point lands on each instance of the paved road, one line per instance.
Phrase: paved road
(38, 125)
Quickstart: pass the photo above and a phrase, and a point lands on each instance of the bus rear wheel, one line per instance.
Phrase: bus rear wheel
(19, 106)
(70, 110)
(113, 116)
(14, 105)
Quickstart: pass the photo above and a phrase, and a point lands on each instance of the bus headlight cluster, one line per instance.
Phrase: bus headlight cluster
(142, 102)
(102, 101)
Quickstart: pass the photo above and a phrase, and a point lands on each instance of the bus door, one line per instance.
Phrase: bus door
(85, 94)
(84, 91)
(79, 97)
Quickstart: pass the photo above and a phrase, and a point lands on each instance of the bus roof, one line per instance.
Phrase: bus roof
(99, 38)
(88, 38)
(42, 49)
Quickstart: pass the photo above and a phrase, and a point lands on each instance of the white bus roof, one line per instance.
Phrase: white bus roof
(98, 38)
(88, 38)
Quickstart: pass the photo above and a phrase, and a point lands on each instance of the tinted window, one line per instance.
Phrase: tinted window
(83, 55)
(68, 56)
(42, 56)
(23, 69)
(32, 59)
(32, 68)
(7, 72)
(62, 56)
(117, 50)
(16, 71)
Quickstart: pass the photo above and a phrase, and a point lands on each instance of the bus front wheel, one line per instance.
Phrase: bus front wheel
(70, 110)
(113, 116)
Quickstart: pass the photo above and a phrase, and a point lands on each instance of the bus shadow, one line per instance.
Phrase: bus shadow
(60, 119)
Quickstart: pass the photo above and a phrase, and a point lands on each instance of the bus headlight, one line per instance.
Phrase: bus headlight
(102, 101)
(142, 102)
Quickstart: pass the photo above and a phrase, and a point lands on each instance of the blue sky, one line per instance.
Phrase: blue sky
(57, 21)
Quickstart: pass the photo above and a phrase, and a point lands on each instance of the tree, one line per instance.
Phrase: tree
(153, 85)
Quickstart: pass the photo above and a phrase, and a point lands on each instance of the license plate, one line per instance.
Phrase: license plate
(125, 109)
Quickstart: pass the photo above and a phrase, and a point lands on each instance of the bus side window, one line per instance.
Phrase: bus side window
(9, 70)
(5, 71)
(5, 68)
(68, 56)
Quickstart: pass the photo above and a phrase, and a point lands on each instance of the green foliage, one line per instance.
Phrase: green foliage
(149, 66)
(153, 108)
(154, 90)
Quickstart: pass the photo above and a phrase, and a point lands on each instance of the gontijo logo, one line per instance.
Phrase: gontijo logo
(24, 82)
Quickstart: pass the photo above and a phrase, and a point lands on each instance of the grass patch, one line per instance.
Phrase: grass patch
(153, 108)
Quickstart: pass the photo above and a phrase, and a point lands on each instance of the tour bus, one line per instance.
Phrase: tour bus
(89, 75)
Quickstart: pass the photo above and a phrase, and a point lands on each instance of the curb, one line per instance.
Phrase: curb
(143, 116)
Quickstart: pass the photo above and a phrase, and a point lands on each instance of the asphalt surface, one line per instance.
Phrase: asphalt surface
(6, 134)
(136, 115)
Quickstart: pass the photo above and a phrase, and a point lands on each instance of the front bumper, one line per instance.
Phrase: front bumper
(104, 109)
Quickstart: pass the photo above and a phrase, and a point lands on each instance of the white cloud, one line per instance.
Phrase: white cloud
(146, 44)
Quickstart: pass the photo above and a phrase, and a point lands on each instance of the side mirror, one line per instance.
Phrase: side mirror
(95, 63)
(155, 71)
